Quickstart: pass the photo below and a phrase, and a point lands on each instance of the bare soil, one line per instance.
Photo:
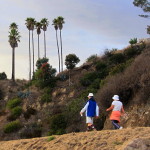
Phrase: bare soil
(125, 139)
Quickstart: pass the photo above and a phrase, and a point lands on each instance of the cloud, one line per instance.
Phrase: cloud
(90, 27)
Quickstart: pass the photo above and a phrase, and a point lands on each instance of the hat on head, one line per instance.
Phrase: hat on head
(115, 97)
(90, 94)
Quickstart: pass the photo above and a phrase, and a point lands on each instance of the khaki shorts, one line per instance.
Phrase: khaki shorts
(89, 120)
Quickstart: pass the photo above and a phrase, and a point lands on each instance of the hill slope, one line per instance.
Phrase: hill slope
(126, 139)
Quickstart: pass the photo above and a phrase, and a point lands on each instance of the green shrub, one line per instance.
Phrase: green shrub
(50, 138)
(92, 58)
(15, 113)
(12, 126)
(31, 130)
(133, 41)
(88, 78)
(95, 84)
(101, 66)
(13, 103)
(117, 58)
(3, 76)
(46, 98)
(58, 124)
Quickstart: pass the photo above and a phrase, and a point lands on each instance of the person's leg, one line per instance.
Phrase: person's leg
(115, 124)
(89, 121)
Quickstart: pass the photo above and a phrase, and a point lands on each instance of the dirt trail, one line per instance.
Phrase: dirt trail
(125, 139)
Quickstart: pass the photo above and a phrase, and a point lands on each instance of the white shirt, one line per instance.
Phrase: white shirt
(117, 105)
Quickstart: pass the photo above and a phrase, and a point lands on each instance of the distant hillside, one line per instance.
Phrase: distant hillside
(28, 111)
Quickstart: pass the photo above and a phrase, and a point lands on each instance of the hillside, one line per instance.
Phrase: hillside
(28, 111)
(126, 139)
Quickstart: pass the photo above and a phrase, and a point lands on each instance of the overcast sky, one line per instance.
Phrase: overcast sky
(91, 26)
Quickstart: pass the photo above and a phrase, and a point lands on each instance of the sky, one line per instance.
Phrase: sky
(91, 27)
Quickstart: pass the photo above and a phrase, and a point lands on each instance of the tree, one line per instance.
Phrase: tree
(133, 41)
(14, 38)
(44, 23)
(3, 76)
(55, 24)
(70, 62)
(45, 74)
(145, 5)
(38, 27)
(29, 26)
(60, 22)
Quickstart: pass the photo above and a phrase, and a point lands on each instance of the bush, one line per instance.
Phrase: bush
(133, 41)
(117, 58)
(12, 126)
(46, 98)
(88, 78)
(92, 58)
(101, 66)
(15, 113)
(3, 76)
(31, 131)
(13, 103)
(50, 138)
(58, 124)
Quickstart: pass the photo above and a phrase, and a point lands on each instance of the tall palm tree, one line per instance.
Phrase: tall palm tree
(60, 22)
(55, 23)
(14, 38)
(32, 27)
(38, 27)
(44, 23)
(29, 26)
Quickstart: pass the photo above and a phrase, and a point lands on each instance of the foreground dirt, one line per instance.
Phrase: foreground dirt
(125, 139)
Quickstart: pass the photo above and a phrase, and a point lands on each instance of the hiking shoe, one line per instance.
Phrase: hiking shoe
(120, 128)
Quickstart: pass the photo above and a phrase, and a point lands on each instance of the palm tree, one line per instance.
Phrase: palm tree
(55, 23)
(38, 27)
(60, 22)
(29, 26)
(14, 38)
(32, 27)
(44, 23)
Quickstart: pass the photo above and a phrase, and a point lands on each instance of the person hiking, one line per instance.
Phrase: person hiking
(117, 111)
(92, 110)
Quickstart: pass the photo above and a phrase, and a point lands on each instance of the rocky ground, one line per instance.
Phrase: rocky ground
(125, 139)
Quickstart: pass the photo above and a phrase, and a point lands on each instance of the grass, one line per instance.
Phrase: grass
(50, 138)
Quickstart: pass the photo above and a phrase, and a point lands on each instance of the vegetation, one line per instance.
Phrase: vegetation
(14, 38)
(58, 24)
(50, 138)
(3, 76)
(12, 126)
(133, 41)
(44, 23)
(45, 74)
(13, 103)
(32, 130)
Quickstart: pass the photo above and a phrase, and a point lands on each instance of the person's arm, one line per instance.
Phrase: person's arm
(84, 109)
(97, 111)
(110, 108)
(122, 110)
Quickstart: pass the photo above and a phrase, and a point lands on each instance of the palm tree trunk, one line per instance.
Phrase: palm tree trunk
(29, 59)
(58, 51)
(61, 52)
(45, 44)
(13, 64)
(33, 51)
(38, 48)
